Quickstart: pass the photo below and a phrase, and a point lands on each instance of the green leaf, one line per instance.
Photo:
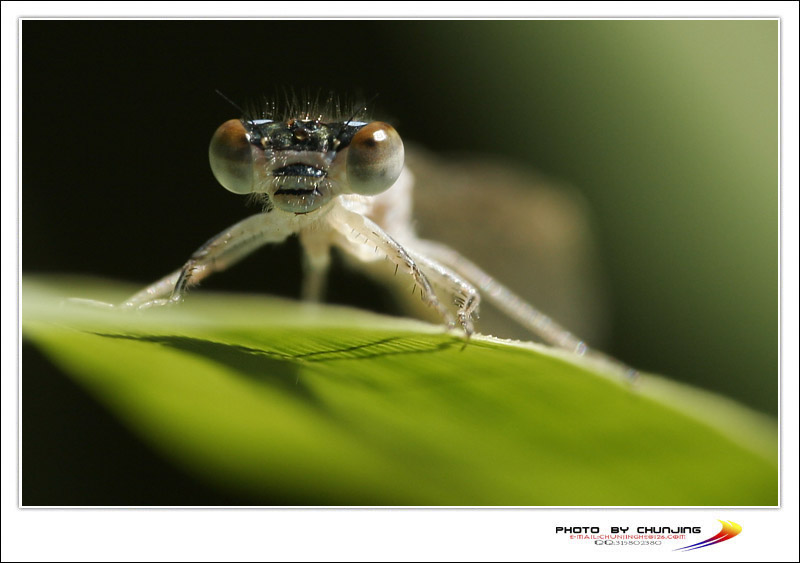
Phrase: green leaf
(324, 405)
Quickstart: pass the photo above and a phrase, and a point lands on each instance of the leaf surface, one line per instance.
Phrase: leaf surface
(333, 406)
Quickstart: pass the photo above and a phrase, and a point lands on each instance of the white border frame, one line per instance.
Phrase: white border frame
(385, 534)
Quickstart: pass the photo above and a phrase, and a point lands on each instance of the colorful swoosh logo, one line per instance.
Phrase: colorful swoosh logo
(729, 530)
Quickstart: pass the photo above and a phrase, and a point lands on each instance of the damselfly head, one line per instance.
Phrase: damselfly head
(298, 164)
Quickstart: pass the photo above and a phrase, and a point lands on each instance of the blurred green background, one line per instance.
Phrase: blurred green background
(668, 128)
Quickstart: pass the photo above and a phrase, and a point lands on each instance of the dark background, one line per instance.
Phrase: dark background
(668, 128)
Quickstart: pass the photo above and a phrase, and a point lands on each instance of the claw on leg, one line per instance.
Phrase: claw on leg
(466, 297)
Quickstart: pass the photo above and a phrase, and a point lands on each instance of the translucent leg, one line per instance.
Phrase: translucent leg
(359, 233)
(316, 261)
(516, 308)
(219, 253)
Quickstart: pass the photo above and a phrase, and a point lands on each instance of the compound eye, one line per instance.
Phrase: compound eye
(374, 158)
(231, 156)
